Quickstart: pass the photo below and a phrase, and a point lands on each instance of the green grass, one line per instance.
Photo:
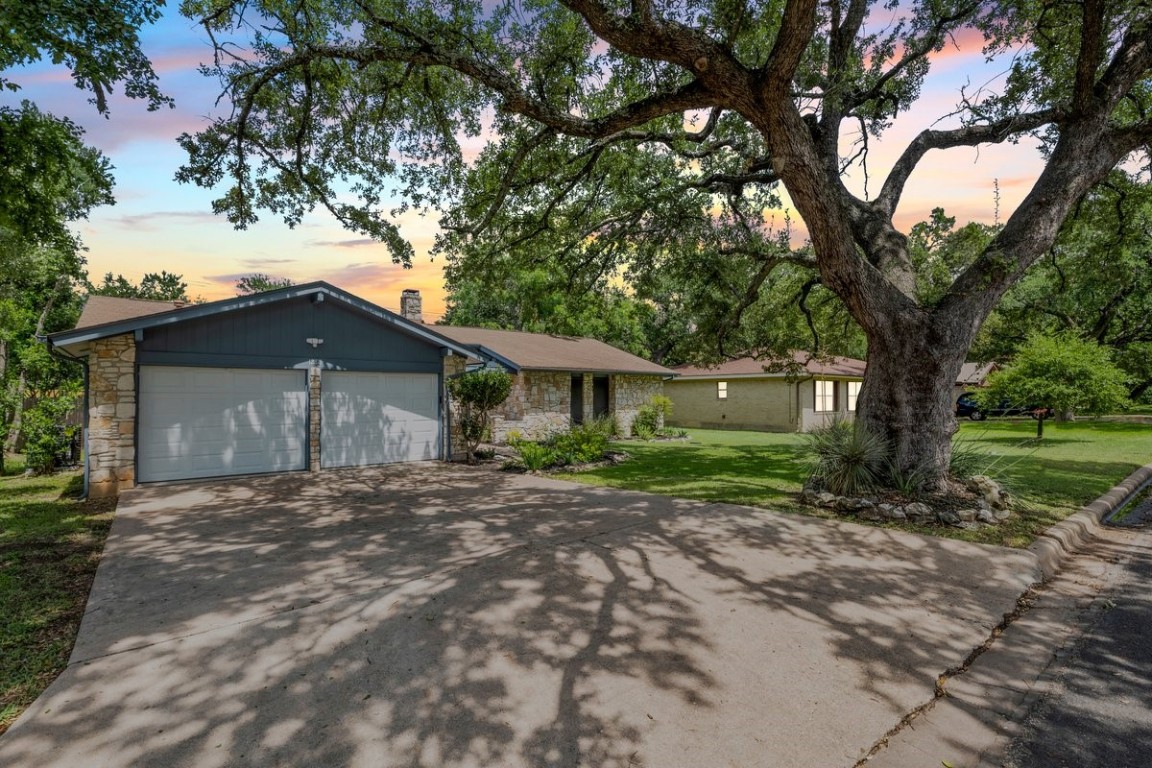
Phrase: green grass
(1074, 464)
(50, 544)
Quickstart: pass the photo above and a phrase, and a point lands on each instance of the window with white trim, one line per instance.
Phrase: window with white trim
(721, 390)
(825, 395)
(853, 394)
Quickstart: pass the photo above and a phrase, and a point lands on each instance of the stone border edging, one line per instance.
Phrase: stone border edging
(1056, 544)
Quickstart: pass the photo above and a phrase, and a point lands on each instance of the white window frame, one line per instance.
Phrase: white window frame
(824, 396)
(853, 394)
(721, 390)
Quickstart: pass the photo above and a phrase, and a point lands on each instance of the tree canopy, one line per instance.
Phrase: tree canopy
(259, 283)
(162, 286)
(638, 140)
(1062, 372)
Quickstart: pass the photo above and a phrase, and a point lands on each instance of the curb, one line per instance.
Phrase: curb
(1059, 542)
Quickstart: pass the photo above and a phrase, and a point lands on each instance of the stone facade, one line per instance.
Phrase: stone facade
(540, 403)
(111, 416)
(314, 416)
(450, 438)
(627, 394)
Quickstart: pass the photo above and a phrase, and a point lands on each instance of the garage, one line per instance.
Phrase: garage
(378, 418)
(306, 377)
(213, 422)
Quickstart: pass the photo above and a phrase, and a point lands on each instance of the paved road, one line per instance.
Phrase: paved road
(1099, 712)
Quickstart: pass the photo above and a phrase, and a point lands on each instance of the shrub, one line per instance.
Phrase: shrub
(477, 394)
(650, 418)
(847, 458)
(534, 456)
(579, 445)
(47, 437)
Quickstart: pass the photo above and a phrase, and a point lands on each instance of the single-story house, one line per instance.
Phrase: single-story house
(742, 394)
(563, 380)
(973, 376)
(301, 378)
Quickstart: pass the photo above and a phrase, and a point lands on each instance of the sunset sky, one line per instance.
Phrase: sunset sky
(158, 224)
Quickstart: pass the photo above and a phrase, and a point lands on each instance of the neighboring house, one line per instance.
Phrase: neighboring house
(973, 376)
(300, 378)
(741, 394)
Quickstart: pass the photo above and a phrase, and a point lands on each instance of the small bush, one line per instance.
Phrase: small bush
(47, 437)
(650, 418)
(579, 445)
(534, 456)
(672, 432)
(477, 394)
(847, 459)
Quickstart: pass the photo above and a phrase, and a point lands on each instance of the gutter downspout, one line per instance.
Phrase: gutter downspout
(60, 354)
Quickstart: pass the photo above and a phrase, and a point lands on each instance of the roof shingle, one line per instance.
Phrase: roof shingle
(548, 352)
(100, 310)
(749, 366)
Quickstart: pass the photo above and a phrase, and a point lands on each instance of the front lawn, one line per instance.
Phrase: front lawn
(50, 544)
(1074, 464)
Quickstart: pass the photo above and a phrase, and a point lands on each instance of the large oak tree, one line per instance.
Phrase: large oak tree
(642, 133)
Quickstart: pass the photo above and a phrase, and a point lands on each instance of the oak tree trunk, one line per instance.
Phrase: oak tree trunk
(907, 398)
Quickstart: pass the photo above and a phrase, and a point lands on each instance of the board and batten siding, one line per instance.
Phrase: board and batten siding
(276, 335)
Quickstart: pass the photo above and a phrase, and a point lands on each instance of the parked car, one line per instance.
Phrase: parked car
(966, 405)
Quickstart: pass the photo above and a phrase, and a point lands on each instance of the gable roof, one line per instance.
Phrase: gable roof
(100, 310)
(752, 367)
(549, 352)
(974, 374)
(111, 316)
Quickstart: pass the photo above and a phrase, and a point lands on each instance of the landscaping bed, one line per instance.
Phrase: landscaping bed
(50, 545)
(1049, 479)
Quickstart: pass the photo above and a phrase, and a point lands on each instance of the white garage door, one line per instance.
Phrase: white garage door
(378, 418)
(211, 422)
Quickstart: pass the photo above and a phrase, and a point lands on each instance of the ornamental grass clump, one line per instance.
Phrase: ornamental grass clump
(847, 459)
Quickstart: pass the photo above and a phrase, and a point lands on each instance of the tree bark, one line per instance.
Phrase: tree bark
(907, 397)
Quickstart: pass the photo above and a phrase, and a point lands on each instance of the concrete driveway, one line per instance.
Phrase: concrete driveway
(434, 615)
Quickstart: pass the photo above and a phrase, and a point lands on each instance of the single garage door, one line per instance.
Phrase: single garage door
(212, 422)
(378, 418)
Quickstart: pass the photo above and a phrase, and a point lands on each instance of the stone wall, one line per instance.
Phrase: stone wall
(627, 394)
(314, 416)
(451, 438)
(540, 403)
(111, 416)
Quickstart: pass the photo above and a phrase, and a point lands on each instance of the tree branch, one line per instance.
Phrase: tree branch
(968, 136)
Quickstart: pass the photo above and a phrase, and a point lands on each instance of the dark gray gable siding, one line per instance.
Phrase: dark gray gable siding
(275, 336)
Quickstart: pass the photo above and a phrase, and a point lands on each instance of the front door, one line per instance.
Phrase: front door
(577, 399)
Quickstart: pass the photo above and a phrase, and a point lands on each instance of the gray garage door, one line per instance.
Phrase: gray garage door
(378, 418)
(212, 422)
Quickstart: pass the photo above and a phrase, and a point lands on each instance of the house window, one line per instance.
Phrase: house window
(853, 394)
(825, 395)
(721, 390)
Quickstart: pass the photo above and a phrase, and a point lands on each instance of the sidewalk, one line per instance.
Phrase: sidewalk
(982, 719)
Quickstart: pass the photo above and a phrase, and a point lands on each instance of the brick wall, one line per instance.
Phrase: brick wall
(111, 416)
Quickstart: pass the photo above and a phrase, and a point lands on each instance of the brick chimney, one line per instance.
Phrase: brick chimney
(411, 306)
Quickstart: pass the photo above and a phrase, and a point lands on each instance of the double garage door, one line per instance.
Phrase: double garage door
(213, 422)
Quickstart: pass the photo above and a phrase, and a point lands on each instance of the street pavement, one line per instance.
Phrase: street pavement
(1098, 711)
(1068, 683)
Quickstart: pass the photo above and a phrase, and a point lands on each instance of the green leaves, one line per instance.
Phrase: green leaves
(1062, 372)
(48, 177)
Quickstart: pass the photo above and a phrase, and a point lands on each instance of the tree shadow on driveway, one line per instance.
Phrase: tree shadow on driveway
(435, 615)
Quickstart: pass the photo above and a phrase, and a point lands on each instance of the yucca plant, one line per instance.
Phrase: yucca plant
(847, 458)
